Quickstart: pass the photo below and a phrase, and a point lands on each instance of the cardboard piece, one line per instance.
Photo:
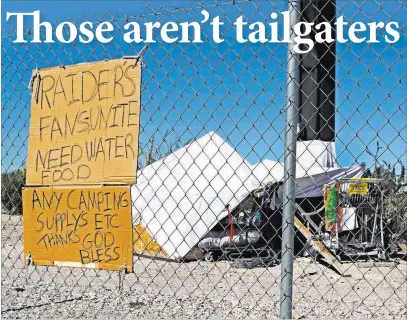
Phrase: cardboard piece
(79, 226)
(84, 125)
(144, 244)
(319, 246)
(358, 188)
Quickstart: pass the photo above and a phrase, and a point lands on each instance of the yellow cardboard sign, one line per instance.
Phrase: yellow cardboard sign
(79, 226)
(358, 188)
(84, 125)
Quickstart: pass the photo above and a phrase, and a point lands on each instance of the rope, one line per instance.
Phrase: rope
(28, 262)
(138, 57)
(122, 273)
(231, 225)
(35, 75)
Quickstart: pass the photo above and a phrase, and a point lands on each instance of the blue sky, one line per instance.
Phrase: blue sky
(237, 90)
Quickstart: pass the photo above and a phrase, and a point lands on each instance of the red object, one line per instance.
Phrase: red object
(231, 225)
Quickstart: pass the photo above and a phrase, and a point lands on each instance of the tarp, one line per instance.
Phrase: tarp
(316, 154)
(309, 182)
(183, 196)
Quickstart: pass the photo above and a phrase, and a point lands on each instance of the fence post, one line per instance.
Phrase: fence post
(291, 122)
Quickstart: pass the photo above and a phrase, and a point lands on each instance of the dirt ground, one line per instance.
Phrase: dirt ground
(162, 289)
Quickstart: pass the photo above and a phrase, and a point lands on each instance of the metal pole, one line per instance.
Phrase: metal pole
(292, 114)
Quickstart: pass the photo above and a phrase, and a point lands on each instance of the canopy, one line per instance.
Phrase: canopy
(183, 196)
(309, 182)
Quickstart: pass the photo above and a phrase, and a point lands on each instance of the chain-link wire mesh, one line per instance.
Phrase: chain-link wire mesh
(212, 140)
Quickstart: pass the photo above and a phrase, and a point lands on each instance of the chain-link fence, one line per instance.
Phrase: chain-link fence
(214, 139)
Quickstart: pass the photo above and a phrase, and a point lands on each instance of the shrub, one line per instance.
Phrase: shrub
(396, 216)
(11, 186)
(395, 200)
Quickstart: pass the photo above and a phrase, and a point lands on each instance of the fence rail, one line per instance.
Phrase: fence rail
(300, 159)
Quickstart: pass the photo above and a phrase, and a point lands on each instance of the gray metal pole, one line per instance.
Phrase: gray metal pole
(292, 114)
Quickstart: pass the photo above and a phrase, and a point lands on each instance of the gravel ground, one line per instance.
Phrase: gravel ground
(193, 290)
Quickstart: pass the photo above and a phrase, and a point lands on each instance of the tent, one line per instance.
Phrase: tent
(181, 197)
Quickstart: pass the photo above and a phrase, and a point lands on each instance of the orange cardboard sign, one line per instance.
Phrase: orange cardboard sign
(84, 125)
(79, 226)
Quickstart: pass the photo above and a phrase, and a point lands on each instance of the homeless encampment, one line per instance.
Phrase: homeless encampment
(180, 199)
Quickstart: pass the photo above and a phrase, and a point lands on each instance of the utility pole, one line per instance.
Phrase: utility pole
(291, 123)
(310, 106)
